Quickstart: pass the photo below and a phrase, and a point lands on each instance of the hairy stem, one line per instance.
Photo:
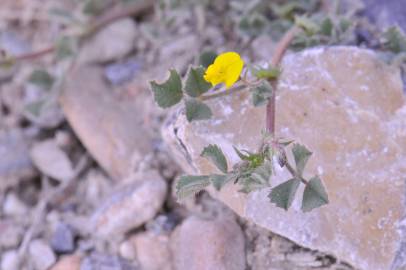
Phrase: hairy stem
(293, 172)
(94, 26)
(280, 50)
(223, 93)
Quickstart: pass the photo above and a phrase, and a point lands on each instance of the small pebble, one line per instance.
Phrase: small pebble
(13, 206)
(98, 261)
(63, 239)
(41, 254)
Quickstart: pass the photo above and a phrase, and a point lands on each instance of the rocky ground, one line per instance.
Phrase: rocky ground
(87, 183)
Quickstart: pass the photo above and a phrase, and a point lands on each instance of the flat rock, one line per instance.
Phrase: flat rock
(111, 125)
(201, 244)
(130, 206)
(349, 109)
(111, 43)
(15, 162)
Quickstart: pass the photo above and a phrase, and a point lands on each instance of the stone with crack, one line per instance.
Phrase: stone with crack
(348, 108)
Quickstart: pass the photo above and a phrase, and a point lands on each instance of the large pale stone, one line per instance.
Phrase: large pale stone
(110, 124)
(348, 108)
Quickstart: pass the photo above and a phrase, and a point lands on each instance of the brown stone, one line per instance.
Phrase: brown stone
(71, 262)
(348, 108)
(111, 127)
(152, 251)
(201, 244)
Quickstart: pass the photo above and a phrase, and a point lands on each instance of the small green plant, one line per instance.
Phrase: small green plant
(255, 169)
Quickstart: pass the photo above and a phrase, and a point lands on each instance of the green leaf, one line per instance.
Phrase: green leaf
(196, 85)
(35, 108)
(94, 7)
(63, 14)
(394, 39)
(301, 155)
(270, 73)
(215, 155)
(262, 173)
(197, 110)
(253, 25)
(261, 94)
(314, 195)
(65, 47)
(191, 184)
(42, 79)
(307, 24)
(284, 194)
(219, 180)
(207, 58)
(345, 24)
(240, 154)
(169, 92)
(326, 27)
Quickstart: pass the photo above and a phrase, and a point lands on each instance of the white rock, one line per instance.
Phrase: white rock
(10, 260)
(13, 206)
(130, 206)
(111, 43)
(41, 254)
(51, 160)
(348, 107)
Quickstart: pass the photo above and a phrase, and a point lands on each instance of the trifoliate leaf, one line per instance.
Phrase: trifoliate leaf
(261, 94)
(284, 194)
(191, 184)
(207, 58)
(196, 85)
(314, 195)
(169, 92)
(394, 39)
(219, 180)
(301, 155)
(215, 155)
(197, 110)
(42, 79)
(65, 47)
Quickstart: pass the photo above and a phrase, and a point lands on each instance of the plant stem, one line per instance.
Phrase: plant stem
(280, 50)
(223, 93)
(94, 26)
(294, 173)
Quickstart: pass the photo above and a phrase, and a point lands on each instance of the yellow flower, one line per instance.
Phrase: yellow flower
(226, 69)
